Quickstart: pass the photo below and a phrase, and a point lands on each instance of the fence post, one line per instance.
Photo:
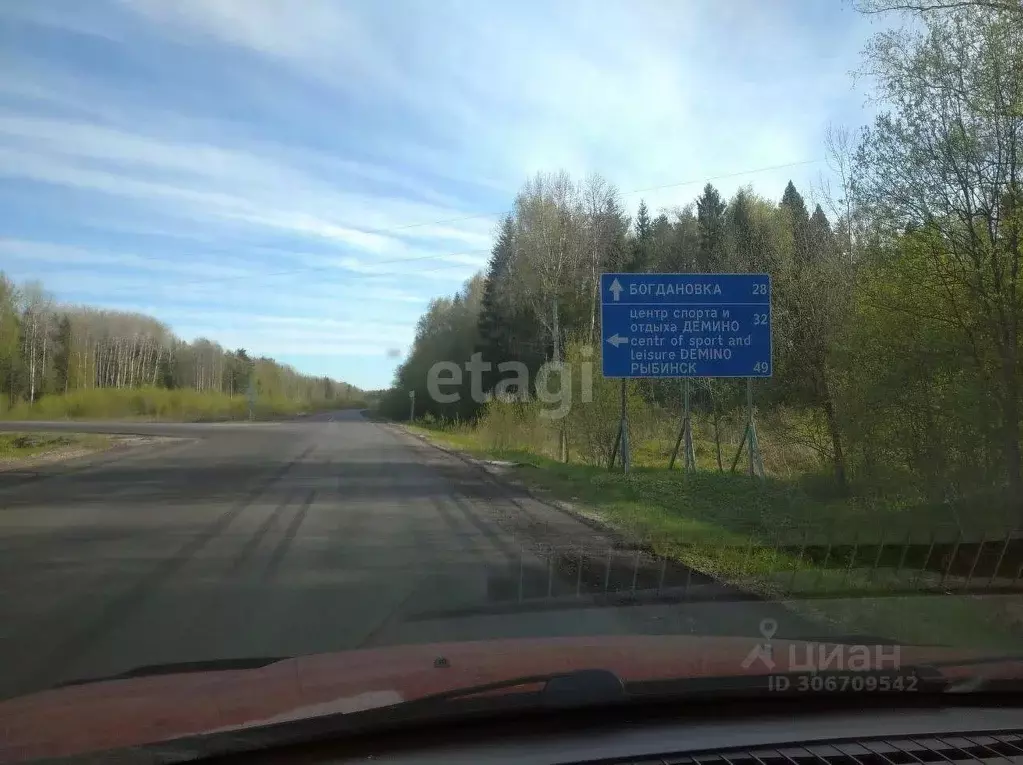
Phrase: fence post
(951, 559)
(877, 558)
(799, 560)
(852, 558)
(1001, 555)
(905, 550)
(927, 559)
(747, 566)
(824, 566)
(976, 559)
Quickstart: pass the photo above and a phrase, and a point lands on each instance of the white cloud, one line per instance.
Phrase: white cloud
(638, 91)
(336, 155)
(215, 184)
(28, 252)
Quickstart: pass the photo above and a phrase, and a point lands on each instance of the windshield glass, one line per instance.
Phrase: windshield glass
(329, 327)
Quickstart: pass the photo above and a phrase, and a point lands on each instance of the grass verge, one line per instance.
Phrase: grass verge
(775, 537)
(26, 448)
(180, 405)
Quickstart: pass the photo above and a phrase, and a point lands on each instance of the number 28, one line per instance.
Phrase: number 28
(759, 289)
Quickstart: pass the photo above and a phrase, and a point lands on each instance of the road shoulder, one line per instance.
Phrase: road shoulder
(32, 455)
(837, 600)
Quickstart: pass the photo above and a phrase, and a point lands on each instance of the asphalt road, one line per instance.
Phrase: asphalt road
(321, 534)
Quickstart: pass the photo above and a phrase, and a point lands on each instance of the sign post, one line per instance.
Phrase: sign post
(412, 406)
(621, 445)
(685, 326)
(749, 438)
(685, 435)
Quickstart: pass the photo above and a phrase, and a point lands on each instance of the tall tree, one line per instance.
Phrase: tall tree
(496, 324)
(946, 158)
(820, 237)
(606, 232)
(549, 251)
(793, 204)
(710, 215)
(642, 240)
(36, 316)
(62, 355)
(10, 332)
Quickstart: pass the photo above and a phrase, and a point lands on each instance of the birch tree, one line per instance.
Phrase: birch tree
(548, 251)
(37, 313)
(945, 160)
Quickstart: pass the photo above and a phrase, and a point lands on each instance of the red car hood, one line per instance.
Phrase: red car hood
(121, 713)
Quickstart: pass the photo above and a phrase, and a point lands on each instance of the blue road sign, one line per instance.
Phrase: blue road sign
(685, 325)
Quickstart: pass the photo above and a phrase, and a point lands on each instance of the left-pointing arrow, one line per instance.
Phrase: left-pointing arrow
(617, 339)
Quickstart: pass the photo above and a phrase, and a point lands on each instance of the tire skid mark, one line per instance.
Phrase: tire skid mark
(488, 530)
(336, 554)
(289, 536)
(458, 532)
(56, 661)
(253, 542)
(421, 580)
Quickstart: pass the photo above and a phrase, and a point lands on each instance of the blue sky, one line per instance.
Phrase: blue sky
(299, 178)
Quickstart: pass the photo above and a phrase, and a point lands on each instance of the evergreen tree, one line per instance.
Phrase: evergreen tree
(710, 215)
(642, 222)
(792, 202)
(821, 237)
(62, 355)
(495, 323)
(662, 244)
(641, 244)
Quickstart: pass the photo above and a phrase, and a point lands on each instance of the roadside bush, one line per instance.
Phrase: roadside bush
(157, 403)
(596, 408)
(514, 425)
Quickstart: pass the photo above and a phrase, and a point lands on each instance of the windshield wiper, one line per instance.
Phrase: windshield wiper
(181, 667)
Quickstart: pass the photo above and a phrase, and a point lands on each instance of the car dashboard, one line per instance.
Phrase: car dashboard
(781, 733)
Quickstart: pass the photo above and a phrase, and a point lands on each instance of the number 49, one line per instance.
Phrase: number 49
(761, 367)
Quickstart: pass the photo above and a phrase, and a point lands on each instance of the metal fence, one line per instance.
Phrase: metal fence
(756, 569)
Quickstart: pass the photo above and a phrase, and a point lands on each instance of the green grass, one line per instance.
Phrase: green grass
(181, 405)
(666, 508)
(22, 446)
(752, 533)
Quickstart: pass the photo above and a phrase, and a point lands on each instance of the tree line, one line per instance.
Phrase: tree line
(896, 292)
(48, 349)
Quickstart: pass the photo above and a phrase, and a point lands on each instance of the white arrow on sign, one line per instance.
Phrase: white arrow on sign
(617, 339)
(616, 289)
